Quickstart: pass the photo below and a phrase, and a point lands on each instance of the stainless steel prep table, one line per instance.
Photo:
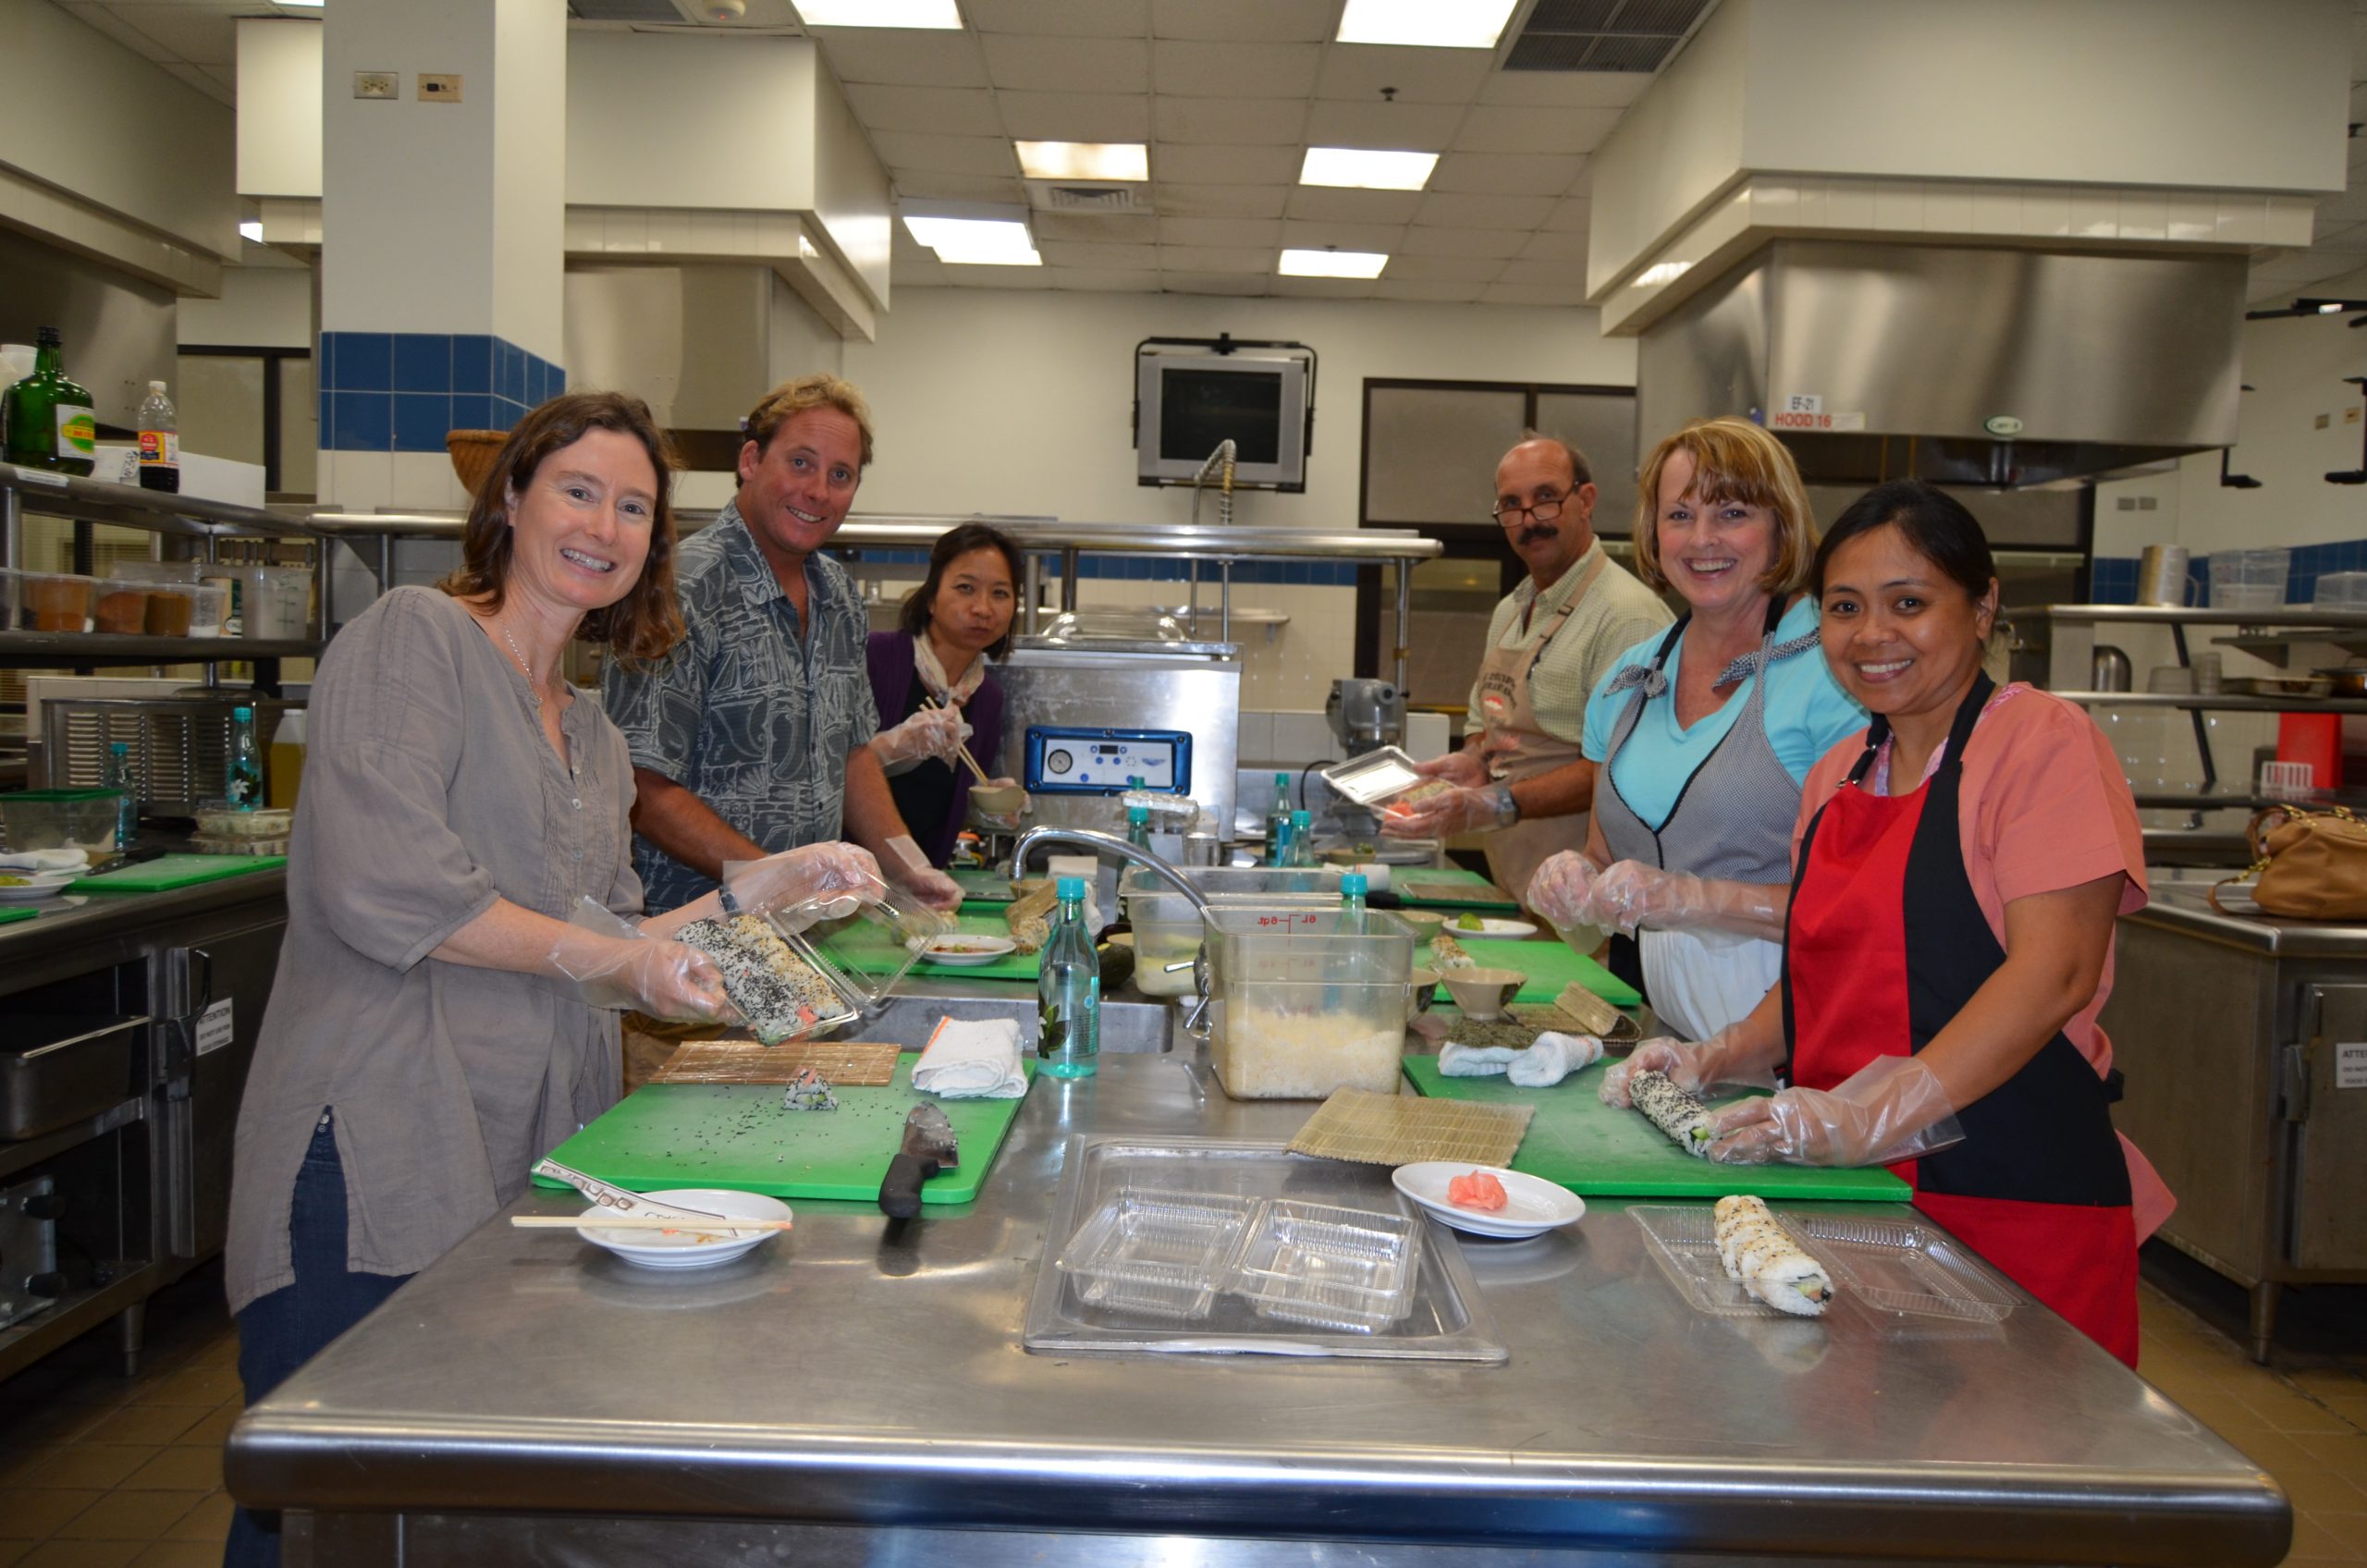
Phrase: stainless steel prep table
(854, 1393)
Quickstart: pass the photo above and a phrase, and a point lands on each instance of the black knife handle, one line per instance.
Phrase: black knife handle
(900, 1195)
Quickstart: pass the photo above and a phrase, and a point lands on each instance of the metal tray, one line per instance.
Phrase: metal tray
(1446, 1319)
(1882, 1266)
(59, 1069)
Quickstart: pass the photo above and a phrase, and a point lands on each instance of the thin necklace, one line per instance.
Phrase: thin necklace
(533, 686)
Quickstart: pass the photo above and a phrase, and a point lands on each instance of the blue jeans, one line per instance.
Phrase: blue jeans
(279, 1332)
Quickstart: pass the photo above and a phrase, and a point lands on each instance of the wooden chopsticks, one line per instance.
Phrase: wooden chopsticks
(643, 1222)
(977, 772)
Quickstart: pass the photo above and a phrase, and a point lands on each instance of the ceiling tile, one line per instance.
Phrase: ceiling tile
(106, 20)
(1218, 201)
(1324, 288)
(1435, 289)
(1506, 174)
(1421, 76)
(1188, 164)
(1054, 65)
(902, 56)
(1076, 254)
(916, 151)
(1572, 214)
(972, 276)
(1105, 229)
(1331, 203)
(1427, 127)
(1566, 89)
(1228, 122)
(201, 35)
(198, 76)
(1553, 245)
(1499, 242)
(1092, 278)
(2349, 240)
(1234, 70)
(1242, 283)
(1259, 259)
(926, 185)
(1264, 233)
(1474, 270)
(1298, 235)
(1448, 210)
(1246, 21)
(1076, 117)
(950, 111)
(1102, 19)
(1531, 294)
(1498, 129)
(1557, 274)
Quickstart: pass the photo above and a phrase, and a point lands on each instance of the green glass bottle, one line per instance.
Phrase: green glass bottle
(49, 417)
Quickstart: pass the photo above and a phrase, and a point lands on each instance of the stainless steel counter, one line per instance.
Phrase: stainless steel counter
(2185, 905)
(857, 1393)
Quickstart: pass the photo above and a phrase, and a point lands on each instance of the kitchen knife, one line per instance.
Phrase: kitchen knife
(928, 1147)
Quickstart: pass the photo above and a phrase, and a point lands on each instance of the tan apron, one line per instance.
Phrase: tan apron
(1516, 747)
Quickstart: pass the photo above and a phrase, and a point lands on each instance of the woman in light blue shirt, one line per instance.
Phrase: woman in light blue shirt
(1703, 736)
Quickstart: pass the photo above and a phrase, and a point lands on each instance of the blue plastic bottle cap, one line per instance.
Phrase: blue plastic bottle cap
(1353, 885)
(242, 713)
(1069, 887)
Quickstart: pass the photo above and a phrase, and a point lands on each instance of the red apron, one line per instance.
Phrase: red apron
(1884, 944)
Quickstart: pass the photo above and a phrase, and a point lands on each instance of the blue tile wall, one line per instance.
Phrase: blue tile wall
(401, 391)
(2113, 578)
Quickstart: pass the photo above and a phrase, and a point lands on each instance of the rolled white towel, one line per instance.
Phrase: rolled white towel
(1458, 1061)
(971, 1059)
(46, 860)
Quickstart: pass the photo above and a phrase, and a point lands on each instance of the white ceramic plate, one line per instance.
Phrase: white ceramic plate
(36, 885)
(1533, 1206)
(1490, 925)
(967, 948)
(688, 1248)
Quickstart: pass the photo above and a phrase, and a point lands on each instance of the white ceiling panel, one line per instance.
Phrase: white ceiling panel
(1324, 288)
(1093, 279)
(1445, 209)
(1076, 117)
(1502, 129)
(1246, 284)
(1259, 259)
(1030, 278)
(1234, 70)
(1098, 228)
(2350, 240)
(1570, 215)
(919, 184)
(202, 78)
(1299, 235)
(1245, 21)
(1331, 203)
(1424, 127)
(1532, 294)
(1556, 275)
(1061, 18)
(1057, 64)
(1261, 233)
(1505, 174)
(1228, 122)
(1188, 164)
(1418, 76)
(1112, 258)
(1553, 246)
(198, 35)
(1566, 90)
(902, 57)
(1432, 290)
(919, 152)
(1504, 243)
(1219, 200)
(1473, 270)
(950, 111)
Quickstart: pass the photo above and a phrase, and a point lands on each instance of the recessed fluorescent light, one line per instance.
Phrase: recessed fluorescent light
(298, 5)
(976, 241)
(1333, 263)
(251, 229)
(1363, 167)
(1084, 160)
(880, 13)
(1434, 24)
(1660, 272)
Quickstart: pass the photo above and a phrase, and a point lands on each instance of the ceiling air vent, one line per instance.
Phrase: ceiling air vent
(1089, 196)
(1603, 35)
(625, 11)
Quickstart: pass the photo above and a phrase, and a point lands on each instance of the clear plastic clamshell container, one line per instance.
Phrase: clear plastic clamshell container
(1163, 1254)
(1885, 1266)
(864, 949)
(1352, 1269)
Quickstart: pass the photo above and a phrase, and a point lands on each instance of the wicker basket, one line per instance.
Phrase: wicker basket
(472, 454)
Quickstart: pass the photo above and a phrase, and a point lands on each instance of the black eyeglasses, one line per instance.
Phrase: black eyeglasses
(1542, 511)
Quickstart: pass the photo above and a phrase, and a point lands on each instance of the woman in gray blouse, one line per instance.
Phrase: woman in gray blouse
(424, 1044)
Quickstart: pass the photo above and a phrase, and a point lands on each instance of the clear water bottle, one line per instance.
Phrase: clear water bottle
(127, 806)
(160, 442)
(1278, 816)
(1138, 826)
(1068, 990)
(1302, 838)
(246, 762)
(1352, 887)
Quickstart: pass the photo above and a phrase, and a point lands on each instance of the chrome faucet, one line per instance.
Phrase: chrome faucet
(1110, 844)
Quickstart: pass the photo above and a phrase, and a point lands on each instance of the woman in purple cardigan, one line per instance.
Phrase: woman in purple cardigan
(951, 626)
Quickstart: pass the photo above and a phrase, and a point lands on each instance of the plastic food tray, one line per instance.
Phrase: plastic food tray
(1347, 1268)
(1164, 1253)
(1373, 778)
(1883, 1265)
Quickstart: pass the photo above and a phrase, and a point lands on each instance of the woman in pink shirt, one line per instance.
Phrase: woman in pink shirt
(1958, 870)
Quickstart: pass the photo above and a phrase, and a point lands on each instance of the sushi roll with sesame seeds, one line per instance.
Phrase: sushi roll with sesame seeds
(781, 995)
(1763, 1258)
(1684, 1118)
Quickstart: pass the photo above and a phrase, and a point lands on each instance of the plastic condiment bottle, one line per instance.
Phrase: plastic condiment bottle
(1068, 990)
(1352, 905)
(160, 441)
(245, 780)
(1138, 826)
(127, 808)
(1302, 838)
(1276, 815)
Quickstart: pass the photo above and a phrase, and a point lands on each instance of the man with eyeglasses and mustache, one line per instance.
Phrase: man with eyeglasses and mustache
(1520, 777)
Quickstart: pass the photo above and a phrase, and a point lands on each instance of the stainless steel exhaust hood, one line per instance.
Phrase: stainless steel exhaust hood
(1998, 367)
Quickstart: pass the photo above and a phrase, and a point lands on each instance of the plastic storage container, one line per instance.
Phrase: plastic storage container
(55, 601)
(61, 819)
(2341, 591)
(274, 601)
(1167, 925)
(209, 607)
(1345, 1268)
(1299, 1009)
(1164, 1253)
(2249, 579)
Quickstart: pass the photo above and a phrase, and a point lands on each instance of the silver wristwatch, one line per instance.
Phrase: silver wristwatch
(1507, 809)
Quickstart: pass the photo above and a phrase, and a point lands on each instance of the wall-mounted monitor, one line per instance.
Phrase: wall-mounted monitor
(1186, 403)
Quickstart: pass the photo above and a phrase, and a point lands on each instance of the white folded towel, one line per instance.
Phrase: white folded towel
(968, 1060)
(1553, 1057)
(46, 860)
(1459, 1061)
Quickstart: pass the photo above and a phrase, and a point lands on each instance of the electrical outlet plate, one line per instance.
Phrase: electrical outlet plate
(438, 89)
(376, 84)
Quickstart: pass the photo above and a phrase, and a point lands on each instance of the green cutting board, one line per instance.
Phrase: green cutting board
(1449, 888)
(1549, 965)
(1591, 1148)
(980, 885)
(167, 872)
(9, 915)
(865, 947)
(738, 1137)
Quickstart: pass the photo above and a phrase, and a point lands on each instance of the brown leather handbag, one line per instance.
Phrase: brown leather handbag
(2309, 865)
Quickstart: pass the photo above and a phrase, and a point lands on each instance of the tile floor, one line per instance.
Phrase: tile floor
(98, 1471)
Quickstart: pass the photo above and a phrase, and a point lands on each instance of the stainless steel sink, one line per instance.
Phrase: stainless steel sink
(1133, 1027)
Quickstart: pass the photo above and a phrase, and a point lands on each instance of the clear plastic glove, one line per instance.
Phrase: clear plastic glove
(1459, 810)
(913, 873)
(1463, 767)
(799, 886)
(931, 733)
(1690, 1066)
(1628, 894)
(614, 964)
(1559, 889)
(1892, 1109)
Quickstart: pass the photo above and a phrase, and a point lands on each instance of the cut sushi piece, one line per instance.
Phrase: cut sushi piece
(1446, 953)
(781, 995)
(1761, 1257)
(1477, 1191)
(1684, 1118)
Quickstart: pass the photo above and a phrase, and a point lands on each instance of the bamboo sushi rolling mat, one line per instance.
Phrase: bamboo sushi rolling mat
(1357, 1124)
(745, 1061)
